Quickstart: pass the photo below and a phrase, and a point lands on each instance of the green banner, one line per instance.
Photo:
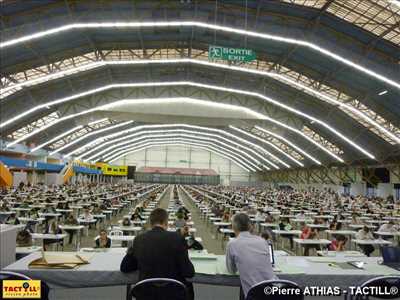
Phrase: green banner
(232, 54)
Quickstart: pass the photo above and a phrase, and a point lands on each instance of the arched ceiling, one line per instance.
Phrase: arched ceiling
(321, 91)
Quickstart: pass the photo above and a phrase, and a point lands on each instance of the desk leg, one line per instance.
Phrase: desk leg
(241, 294)
(128, 291)
(78, 240)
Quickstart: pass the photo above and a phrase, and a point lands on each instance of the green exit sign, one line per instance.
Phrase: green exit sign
(232, 54)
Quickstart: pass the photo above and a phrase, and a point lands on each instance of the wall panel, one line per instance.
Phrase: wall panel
(185, 157)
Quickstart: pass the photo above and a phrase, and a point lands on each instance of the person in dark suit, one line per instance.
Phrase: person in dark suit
(159, 253)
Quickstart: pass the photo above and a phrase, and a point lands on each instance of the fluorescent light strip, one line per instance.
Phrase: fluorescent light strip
(309, 139)
(150, 138)
(341, 104)
(383, 93)
(186, 126)
(217, 139)
(395, 2)
(136, 101)
(164, 24)
(89, 134)
(48, 126)
(129, 143)
(150, 145)
(202, 133)
(268, 143)
(186, 100)
(56, 138)
(190, 100)
(235, 68)
(98, 121)
(289, 143)
(265, 98)
(138, 128)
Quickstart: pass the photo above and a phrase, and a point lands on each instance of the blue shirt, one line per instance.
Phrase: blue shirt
(249, 254)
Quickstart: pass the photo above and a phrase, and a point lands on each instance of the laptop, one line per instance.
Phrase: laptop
(391, 257)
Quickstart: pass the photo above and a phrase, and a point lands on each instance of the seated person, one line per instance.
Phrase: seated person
(24, 239)
(158, 253)
(49, 209)
(338, 244)
(179, 222)
(136, 217)
(365, 234)
(185, 212)
(309, 234)
(126, 222)
(87, 216)
(334, 225)
(34, 213)
(355, 220)
(70, 220)
(226, 217)
(12, 219)
(103, 241)
(248, 254)
(4, 207)
(286, 226)
(269, 218)
(388, 227)
(97, 210)
(60, 205)
(51, 227)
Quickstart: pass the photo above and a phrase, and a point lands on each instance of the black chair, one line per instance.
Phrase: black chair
(262, 290)
(159, 289)
(386, 283)
(7, 275)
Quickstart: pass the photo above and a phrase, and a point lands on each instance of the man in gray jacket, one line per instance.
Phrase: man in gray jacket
(248, 254)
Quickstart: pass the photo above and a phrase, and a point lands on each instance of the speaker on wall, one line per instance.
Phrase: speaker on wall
(131, 172)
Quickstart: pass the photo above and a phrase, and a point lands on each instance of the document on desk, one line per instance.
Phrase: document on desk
(54, 260)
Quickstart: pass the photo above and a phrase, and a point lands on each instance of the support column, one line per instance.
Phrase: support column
(166, 157)
(190, 157)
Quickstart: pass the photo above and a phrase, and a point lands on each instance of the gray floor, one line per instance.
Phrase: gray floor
(211, 240)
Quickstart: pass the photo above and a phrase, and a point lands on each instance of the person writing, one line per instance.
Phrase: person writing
(70, 220)
(308, 233)
(338, 244)
(365, 234)
(248, 254)
(158, 253)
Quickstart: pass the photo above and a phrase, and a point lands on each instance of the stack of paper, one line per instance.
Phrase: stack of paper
(59, 261)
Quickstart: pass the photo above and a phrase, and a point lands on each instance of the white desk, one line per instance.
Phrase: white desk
(340, 254)
(48, 236)
(306, 242)
(127, 228)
